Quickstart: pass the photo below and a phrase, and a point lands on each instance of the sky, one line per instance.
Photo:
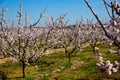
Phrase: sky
(75, 9)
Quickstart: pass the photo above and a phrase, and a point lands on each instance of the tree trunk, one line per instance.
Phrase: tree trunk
(23, 68)
(94, 50)
(69, 56)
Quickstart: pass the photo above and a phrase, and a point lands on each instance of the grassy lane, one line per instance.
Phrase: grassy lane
(56, 66)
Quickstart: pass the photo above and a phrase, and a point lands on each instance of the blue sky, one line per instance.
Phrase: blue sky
(74, 8)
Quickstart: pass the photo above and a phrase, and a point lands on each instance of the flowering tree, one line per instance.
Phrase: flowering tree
(96, 35)
(113, 34)
(25, 44)
(71, 38)
(113, 22)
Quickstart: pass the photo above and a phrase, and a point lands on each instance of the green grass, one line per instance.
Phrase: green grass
(56, 66)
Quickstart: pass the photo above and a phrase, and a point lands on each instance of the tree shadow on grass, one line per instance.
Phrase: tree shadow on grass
(15, 78)
(3, 76)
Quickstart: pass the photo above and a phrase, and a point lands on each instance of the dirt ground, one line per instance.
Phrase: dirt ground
(3, 60)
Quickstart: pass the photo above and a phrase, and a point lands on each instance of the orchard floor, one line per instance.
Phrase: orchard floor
(55, 66)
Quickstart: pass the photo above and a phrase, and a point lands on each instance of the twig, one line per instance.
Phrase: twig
(97, 18)
(105, 3)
